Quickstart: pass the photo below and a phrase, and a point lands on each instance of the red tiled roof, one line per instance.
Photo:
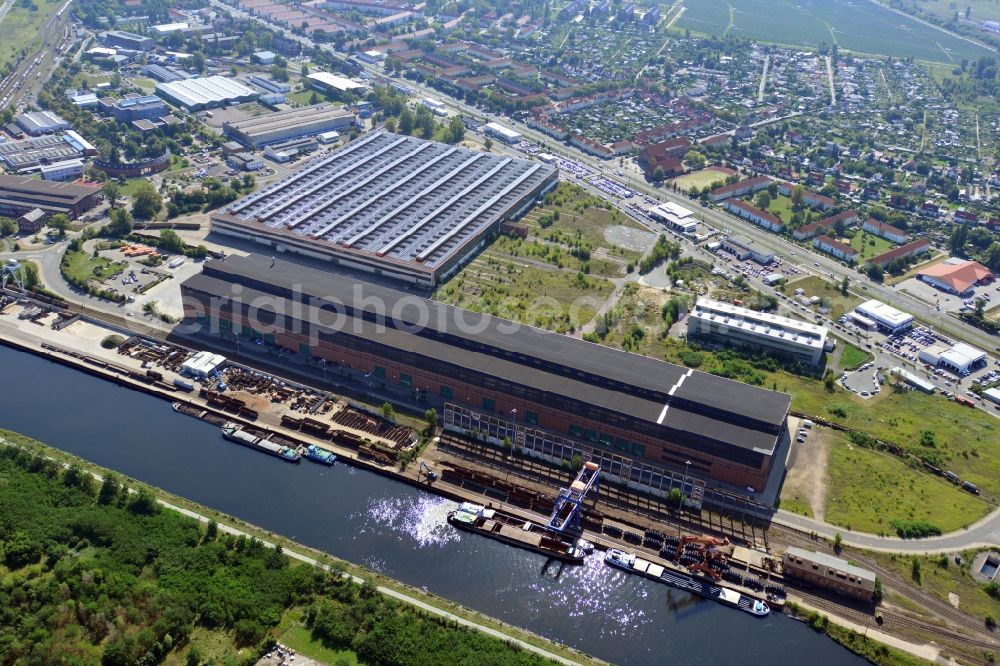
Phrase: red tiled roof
(960, 276)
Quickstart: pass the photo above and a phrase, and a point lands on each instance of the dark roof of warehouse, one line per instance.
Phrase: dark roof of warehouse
(739, 414)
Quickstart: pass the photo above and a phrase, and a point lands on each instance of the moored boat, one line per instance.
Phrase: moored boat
(515, 531)
(632, 564)
(235, 433)
(320, 455)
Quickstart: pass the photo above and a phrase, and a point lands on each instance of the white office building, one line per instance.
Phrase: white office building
(734, 326)
(502, 133)
(675, 217)
(436, 106)
(885, 317)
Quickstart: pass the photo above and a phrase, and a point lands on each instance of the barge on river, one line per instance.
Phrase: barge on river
(515, 531)
(632, 564)
(235, 433)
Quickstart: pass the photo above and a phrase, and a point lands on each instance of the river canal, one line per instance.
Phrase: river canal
(392, 528)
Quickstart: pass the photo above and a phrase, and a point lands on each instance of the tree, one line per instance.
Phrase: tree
(387, 410)
(828, 381)
(877, 594)
(109, 489)
(431, 416)
(763, 200)
(838, 543)
(59, 222)
(121, 223)
(111, 190)
(170, 241)
(874, 273)
(456, 130)
(844, 285)
(146, 202)
(488, 144)
(406, 121)
(798, 196)
(915, 569)
(694, 159)
(7, 226)
(659, 174)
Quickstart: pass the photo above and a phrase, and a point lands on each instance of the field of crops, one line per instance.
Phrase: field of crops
(856, 25)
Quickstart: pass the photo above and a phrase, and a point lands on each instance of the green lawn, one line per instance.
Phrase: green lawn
(796, 504)
(700, 179)
(967, 441)
(293, 633)
(828, 291)
(782, 207)
(869, 245)
(131, 185)
(82, 267)
(868, 489)
(145, 84)
(941, 577)
(851, 357)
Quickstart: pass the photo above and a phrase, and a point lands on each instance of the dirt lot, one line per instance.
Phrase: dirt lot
(806, 480)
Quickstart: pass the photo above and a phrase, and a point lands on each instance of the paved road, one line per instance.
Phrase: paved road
(982, 534)
(389, 592)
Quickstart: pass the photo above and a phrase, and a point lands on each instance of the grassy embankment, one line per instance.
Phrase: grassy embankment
(288, 622)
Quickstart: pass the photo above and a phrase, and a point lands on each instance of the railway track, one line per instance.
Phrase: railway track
(893, 580)
(14, 87)
(895, 622)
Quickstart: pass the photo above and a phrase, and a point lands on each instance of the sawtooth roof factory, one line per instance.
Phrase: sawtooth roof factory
(643, 420)
(284, 125)
(397, 206)
(206, 93)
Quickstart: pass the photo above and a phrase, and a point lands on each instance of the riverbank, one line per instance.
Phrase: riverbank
(394, 529)
(418, 599)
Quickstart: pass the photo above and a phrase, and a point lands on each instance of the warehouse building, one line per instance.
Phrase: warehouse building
(733, 326)
(26, 156)
(744, 248)
(270, 85)
(643, 420)
(829, 572)
(338, 85)
(285, 125)
(41, 122)
(206, 93)
(396, 206)
(885, 317)
(501, 133)
(956, 276)
(21, 194)
(959, 358)
(164, 74)
(128, 40)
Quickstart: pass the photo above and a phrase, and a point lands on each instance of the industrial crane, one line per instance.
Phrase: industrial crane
(12, 270)
(714, 553)
(566, 512)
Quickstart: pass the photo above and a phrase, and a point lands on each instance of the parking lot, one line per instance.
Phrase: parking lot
(864, 381)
